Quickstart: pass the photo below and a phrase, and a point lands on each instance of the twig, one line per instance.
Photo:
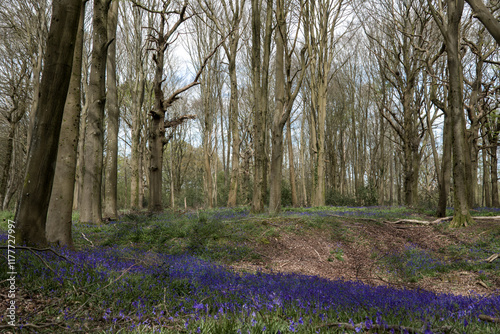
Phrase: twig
(492, 258)
(84, 237)
(40, 250)
(28, 325)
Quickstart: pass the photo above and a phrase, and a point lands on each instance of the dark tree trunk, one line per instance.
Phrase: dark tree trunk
(444, 187)
(33, 204)
(59, 215)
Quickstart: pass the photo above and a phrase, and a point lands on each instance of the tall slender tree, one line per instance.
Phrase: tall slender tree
(91, 198)
(111, 181)
(450, 29)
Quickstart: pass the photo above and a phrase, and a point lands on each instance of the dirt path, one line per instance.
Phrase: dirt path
(353, 250)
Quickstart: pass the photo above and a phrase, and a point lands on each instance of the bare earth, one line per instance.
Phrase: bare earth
(362, 246)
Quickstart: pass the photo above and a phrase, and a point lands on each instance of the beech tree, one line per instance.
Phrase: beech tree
(450, 29)
(59, 216)
(321, 18)
(260, 86)
(110, 194)
(33, 204)
(286, 91)
(91, 198)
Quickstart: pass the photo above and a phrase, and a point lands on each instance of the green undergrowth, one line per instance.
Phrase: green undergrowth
(112, 303)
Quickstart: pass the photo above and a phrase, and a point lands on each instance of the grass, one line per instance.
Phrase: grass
(168, 273)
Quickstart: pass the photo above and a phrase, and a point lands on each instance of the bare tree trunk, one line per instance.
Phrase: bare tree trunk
(233, 119)
(137, 119)
(111, 182)
(7, 161)
(302, 159)
(486, 180)
(280, 116)
(157, 131)
(260, 87)
(136, 154)
(451, 33)
(494, 174)
(59, 216)
(444, 186)
(91, 205)
(293, 182)
(37, 71)
(33, 203)
(207, 149)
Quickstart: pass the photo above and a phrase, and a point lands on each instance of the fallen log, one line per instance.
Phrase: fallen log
(439, 220)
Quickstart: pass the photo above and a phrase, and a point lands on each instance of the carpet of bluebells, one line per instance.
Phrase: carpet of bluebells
(136, 290)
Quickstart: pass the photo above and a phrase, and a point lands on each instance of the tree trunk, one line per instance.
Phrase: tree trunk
(136, 154)
(280, 113)
(157, 131)
(207, 148)
(444, 186)
(494, 174)
(33, 203)
(111, 182)
(302, 159)
(319, 161)
(486, 180)
(4, 178)
(293, 182)
(260, 100)
(461, 216)
(91, 205)
(233, 118)
(59, 216)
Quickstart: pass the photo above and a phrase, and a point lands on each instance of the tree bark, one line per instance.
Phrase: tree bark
(111, 181)
(486, 180)
(157, 131)
(7, 161)
(444, 186)
(461, 216)
(293, 182)
(280, 113)
(233, 118)
(91, 201)
(33, 203)
(59, 216)
(494, 173)
(136, 154)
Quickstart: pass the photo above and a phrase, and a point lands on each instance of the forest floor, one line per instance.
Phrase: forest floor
(307, 270)
(362, 249)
